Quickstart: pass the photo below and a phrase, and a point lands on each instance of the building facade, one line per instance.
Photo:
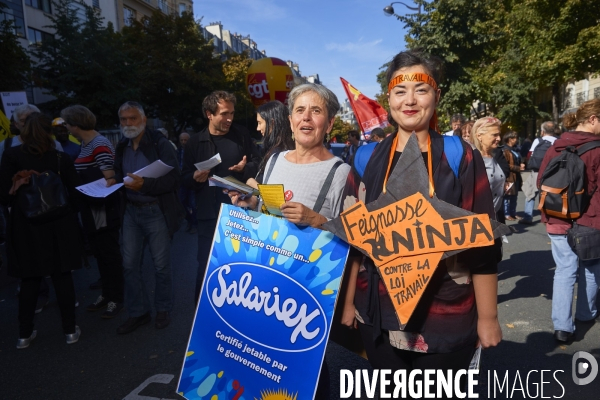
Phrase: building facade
(224, 40)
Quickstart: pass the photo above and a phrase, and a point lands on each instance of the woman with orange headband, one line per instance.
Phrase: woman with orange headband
(458, 309)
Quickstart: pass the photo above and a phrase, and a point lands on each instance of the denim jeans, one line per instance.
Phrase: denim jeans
(529, 204)
(510, 205)
(565, 275)
(206, 231)
(187, 197)
(148, 223)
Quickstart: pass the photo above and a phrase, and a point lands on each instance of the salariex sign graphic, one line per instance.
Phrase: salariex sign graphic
(265, 310)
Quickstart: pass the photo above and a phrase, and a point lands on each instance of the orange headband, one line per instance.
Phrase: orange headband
(417, 77)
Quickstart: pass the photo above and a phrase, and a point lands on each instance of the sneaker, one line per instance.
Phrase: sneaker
(112, 309)
(73, 337)
(98, 305)
(133, 323)
(162, 320)
(525, 221)
(41, 303)
(24, 343)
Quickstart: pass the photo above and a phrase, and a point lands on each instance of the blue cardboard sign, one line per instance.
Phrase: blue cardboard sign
(265, 310)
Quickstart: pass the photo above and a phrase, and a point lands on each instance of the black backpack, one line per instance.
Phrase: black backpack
(562, 186)
(535, 162)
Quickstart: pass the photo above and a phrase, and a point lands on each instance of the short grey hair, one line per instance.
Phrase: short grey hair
(132, 104)
(458, 118)
(331, 101)
(24, 109)
(549, 128)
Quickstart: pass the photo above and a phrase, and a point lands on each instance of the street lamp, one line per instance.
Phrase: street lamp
(389, 10)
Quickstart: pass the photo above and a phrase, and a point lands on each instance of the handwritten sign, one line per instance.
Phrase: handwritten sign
(265, 310)
(406, 241)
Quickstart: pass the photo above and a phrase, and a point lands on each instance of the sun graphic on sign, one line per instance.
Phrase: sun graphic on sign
(280, 394)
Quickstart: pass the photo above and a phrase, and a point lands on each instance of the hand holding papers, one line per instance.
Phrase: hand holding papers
(154, 170)
(230, 183)
(209, 164)
(98, 188)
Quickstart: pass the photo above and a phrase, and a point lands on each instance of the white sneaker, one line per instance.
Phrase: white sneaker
(73, 337)
(24, 343)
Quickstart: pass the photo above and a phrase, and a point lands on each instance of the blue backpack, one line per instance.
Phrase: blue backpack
(452, 148)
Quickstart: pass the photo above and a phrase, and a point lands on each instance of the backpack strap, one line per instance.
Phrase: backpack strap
(270, 169)
(587, 147)
(454, 152)
(326, 186)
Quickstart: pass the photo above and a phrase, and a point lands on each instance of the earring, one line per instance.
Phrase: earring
(293, 138)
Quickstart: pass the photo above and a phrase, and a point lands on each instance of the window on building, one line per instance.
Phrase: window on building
(18, 23)
(597, 92)
(128, 16)
(181, 8)
(96, 3)
(162, 5)
(36, 37)
(43, 5)
(580, 98)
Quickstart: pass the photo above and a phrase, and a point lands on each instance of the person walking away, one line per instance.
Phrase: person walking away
(568, 266)
(36, 249)
(514, 177)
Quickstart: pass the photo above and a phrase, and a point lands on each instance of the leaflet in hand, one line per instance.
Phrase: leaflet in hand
(98, 188)
(209, 164)
(273, 198)
(230, 183)
(154, 170)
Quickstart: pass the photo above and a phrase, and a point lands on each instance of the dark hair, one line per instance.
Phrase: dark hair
(80, 117)
(509, 135)
(354, 134)
(36, 134)
(278, 132)
(458, 118)
(211, 102)
(433, 65)
(380, 133)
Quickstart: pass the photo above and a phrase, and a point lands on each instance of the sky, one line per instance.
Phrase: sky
(333, 38)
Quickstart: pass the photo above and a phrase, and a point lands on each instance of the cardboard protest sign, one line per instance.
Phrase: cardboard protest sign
(406, 233)
(265, 310)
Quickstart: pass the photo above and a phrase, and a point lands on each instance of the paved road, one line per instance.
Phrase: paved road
(146, 364)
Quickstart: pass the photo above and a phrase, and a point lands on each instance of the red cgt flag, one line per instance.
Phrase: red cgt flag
(368, 112)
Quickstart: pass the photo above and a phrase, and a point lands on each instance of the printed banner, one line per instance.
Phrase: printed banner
(265, 310)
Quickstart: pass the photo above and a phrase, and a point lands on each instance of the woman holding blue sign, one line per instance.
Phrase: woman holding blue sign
(458, 308)
(312, 177)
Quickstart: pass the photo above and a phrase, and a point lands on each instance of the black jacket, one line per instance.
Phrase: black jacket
(35, 250)
(156, 147)
(200, 148)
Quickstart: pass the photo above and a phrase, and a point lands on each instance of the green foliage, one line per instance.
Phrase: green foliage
(504, 52)
(175, 67)
(235, 69)
(340, 130)
(15, 66)
(84, 63)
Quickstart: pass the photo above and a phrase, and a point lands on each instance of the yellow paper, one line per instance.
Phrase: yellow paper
(273, 198)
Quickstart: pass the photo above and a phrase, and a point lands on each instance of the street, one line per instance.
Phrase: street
(146, 364)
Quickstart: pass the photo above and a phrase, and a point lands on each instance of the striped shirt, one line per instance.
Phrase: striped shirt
(98, 153)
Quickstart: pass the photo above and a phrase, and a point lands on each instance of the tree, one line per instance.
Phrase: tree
(340, 130)
(235, 69)
(84, 63)
(15, 66)
(175, 65)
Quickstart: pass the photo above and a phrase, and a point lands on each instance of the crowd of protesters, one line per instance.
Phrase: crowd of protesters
(148, 211)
